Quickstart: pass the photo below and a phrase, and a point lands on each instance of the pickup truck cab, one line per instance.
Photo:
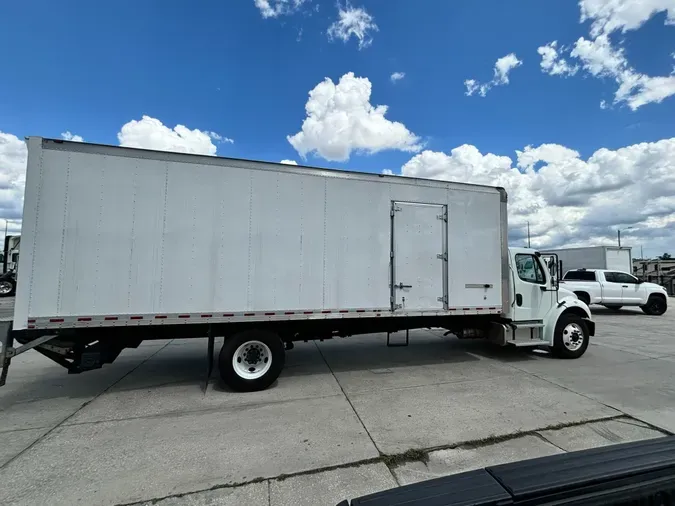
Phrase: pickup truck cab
(615, 289)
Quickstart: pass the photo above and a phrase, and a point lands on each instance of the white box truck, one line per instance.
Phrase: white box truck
(122, 245)
(610, 258)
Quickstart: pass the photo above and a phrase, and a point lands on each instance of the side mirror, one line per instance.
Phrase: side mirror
(640, 281)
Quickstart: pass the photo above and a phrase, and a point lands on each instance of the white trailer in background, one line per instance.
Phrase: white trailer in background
(610, 258)
(275, 254)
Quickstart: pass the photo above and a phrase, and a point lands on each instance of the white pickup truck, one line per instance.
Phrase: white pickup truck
(615, 289)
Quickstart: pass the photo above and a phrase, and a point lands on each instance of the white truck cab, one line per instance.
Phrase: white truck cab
(540, 312)
(615, 289)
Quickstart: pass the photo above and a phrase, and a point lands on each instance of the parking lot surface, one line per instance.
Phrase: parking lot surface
(346, 418)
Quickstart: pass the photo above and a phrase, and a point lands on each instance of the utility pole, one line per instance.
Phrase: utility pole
(618, 237)
(528, 234)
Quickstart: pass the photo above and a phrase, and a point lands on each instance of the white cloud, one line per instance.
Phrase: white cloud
(552, 63)
(12, 178)
(397, 76)
(276, 8)
(340, 119)
(289, 162)
(569, 200)
(150, 133)
(503, 66)
(67, 136)
(387, 172)
(601, 59)
(611, 15)
(353, 22)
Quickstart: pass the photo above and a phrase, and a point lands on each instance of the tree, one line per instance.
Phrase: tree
(665, 256)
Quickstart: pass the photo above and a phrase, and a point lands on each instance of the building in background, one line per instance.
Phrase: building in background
(656, 271)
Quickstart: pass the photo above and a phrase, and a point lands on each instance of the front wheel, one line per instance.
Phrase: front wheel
(7, 287)
(655, 306)
(571, 337)
(251, 360)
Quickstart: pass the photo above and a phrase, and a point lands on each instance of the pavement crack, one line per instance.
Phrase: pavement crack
(84, 405)
(358, 417)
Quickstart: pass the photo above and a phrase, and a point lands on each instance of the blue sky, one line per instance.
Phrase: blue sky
(221, 66)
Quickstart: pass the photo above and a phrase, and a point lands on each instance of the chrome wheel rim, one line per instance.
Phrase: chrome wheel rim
(5, 287)
(573, 336)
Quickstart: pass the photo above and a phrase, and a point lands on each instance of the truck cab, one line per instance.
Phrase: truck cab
(615, 289)
(540, 312)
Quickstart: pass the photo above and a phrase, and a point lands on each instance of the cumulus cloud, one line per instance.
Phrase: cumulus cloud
(624, 15)
(12, 178)
(570, 201)
(600, 58)
(276, 8)
(552, 63)
(503, 66)
(150, 133)
(67, 136)
(289, 162)
(340, 119)
(397, 76)
(353, 22)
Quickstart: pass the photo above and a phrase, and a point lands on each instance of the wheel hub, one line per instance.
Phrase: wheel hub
(252, 360)
(253, 355)
(573, 337)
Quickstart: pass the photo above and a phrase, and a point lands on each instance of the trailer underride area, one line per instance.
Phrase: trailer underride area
(346, 418)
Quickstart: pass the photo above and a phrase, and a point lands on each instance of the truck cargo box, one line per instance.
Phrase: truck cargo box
(119, 236)
(595, 257)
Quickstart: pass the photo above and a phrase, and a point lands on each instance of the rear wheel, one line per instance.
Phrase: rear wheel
(656, 306)
(571, 337)
(7, 288)
(251, 360)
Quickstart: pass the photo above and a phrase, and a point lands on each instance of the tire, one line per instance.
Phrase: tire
(583, 297)
(7, 287)
(565, 343)
(251, 360)
(655, 306)
(615, 308)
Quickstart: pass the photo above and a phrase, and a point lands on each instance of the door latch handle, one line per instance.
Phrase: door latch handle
(624, 286)
(402, 286)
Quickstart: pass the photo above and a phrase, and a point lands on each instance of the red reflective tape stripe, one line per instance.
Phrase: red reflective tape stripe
(492, 308)
(270, 314)
(30, 326)
(452, 309)
(56, 320)
(466, 309)
(160, 316)
(344, 310)
(207, 316)
(110, 318)
(360, 310)
(84, 319)
(249, 314)
(183, 316)
(479, 309)
(289, 312)
(308, 312)
(31, 321)
(136, 318)
(228, 315)
(327, 311)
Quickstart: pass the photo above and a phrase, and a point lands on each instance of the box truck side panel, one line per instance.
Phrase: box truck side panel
(474, 255)
(619, 259)
(578, 258)
(115, 231)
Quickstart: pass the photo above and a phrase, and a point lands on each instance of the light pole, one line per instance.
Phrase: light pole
(618, 234)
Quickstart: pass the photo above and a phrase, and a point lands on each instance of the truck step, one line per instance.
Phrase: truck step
(529, 324)
(533, 342)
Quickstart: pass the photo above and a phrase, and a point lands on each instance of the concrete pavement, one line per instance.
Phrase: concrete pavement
(339, 423)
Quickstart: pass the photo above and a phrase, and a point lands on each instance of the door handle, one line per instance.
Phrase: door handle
(402, 286)
(624, 286)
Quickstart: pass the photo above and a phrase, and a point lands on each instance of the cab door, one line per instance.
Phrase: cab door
(611, 287)
(632, 291)
(532, 298)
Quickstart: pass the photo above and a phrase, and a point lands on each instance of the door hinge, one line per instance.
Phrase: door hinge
(443, 216)
(393, 210)
(442, 299)
(442, 256)
(391, 254)
(398, 306)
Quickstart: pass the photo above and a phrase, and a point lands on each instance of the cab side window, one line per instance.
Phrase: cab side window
(529, 269)
(622, 277)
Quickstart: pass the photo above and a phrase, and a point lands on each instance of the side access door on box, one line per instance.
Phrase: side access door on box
(419, 256)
